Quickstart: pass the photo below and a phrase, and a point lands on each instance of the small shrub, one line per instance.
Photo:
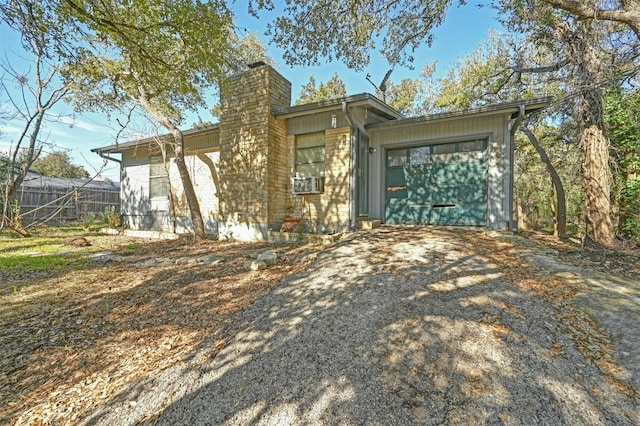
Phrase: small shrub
(108, 218)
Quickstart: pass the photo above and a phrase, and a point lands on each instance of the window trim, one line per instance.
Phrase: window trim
(312, 164)
(432, 158)
(157, 160)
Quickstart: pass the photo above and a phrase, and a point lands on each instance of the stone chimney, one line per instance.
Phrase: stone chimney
(253, 164)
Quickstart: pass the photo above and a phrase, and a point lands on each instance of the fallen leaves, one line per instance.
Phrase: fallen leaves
(75, 340)
(589, 338)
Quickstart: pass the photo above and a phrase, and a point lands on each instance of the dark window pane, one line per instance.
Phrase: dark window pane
(397, 158)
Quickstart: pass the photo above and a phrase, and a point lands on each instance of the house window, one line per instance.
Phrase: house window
(397, 158)
(310, 155)
(472, 150)
(444, 153)
(158, 178)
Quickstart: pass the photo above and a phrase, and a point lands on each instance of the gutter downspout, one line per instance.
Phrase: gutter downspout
(513, 225)
(352, 168)
(106, 157)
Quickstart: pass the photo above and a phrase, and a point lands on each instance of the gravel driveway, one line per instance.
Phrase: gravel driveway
(390, 326)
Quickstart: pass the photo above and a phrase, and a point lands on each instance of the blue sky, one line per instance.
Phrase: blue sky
(464, 28)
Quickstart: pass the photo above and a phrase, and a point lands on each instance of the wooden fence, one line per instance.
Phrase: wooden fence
(66, 204)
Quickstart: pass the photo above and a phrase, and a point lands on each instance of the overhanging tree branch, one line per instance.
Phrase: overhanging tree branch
(629, 13)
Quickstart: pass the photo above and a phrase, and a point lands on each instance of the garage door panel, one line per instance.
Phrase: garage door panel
(449, 188)
(472, 214)
(471, 193)
(399, 212)
(444, 215)
(396, 184)
(456, 173)
(439, 173)
(444, 195)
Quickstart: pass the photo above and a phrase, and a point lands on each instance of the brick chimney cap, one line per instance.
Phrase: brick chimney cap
(256, 64)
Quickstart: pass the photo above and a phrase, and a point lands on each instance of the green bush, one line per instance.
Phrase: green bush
(108, 218)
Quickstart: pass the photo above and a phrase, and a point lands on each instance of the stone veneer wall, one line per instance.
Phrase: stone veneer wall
(253, 165)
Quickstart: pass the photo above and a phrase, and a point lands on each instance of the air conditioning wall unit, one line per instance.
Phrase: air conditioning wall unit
(307, 185)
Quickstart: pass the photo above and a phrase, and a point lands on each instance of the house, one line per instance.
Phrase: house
(336, 163)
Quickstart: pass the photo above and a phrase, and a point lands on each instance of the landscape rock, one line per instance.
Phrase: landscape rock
(209, 259)
(102, 256)
(269, 258)
(78, 242)
(307, 257)
(186, 259)
(255, 265)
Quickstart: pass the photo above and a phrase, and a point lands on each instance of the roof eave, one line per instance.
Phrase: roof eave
(359, 100)
(511, 108)
(120, 147)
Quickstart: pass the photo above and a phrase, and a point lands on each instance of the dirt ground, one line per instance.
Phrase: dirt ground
(624, 261)
(73, 338)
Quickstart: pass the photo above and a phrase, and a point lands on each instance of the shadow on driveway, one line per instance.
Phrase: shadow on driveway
(390, 326)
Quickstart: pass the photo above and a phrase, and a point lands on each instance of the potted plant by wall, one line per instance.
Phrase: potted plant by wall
(290, 224)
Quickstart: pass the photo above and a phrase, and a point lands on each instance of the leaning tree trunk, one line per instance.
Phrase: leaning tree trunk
(187, 184)
(178, 148)
(560, 228)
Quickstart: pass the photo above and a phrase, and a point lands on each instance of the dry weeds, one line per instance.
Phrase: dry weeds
(73, 338)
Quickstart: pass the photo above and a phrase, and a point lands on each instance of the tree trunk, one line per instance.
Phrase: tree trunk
(560, 226)
(187, 184)
(527, 216)
(597, 187)
(14, 180)
(589, 74)
(178, 148)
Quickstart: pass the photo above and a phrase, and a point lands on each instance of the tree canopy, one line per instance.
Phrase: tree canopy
(334, 88)
(160, 56)
(59, 164)
(350, 30)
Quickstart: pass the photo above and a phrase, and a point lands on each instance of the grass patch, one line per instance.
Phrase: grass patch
(132, 246)
(44, 250)
(35, 263)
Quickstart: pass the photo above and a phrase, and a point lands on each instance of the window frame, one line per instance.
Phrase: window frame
(402, 157)
(307, 150)
(158, 178)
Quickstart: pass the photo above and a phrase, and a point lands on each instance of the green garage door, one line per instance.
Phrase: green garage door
(442, 184)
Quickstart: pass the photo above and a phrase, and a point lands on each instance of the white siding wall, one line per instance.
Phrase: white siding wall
(134, 196)
(203, 179)
(141, 212)
(494, 128)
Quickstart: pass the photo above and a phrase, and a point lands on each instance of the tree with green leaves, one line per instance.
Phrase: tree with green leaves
(405, 96)
(590, 56)
(622, 115)
(59, 164)
(334, 88)
(158, 56)
(350, 30)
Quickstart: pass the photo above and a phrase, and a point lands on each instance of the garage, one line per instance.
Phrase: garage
(438, 184)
